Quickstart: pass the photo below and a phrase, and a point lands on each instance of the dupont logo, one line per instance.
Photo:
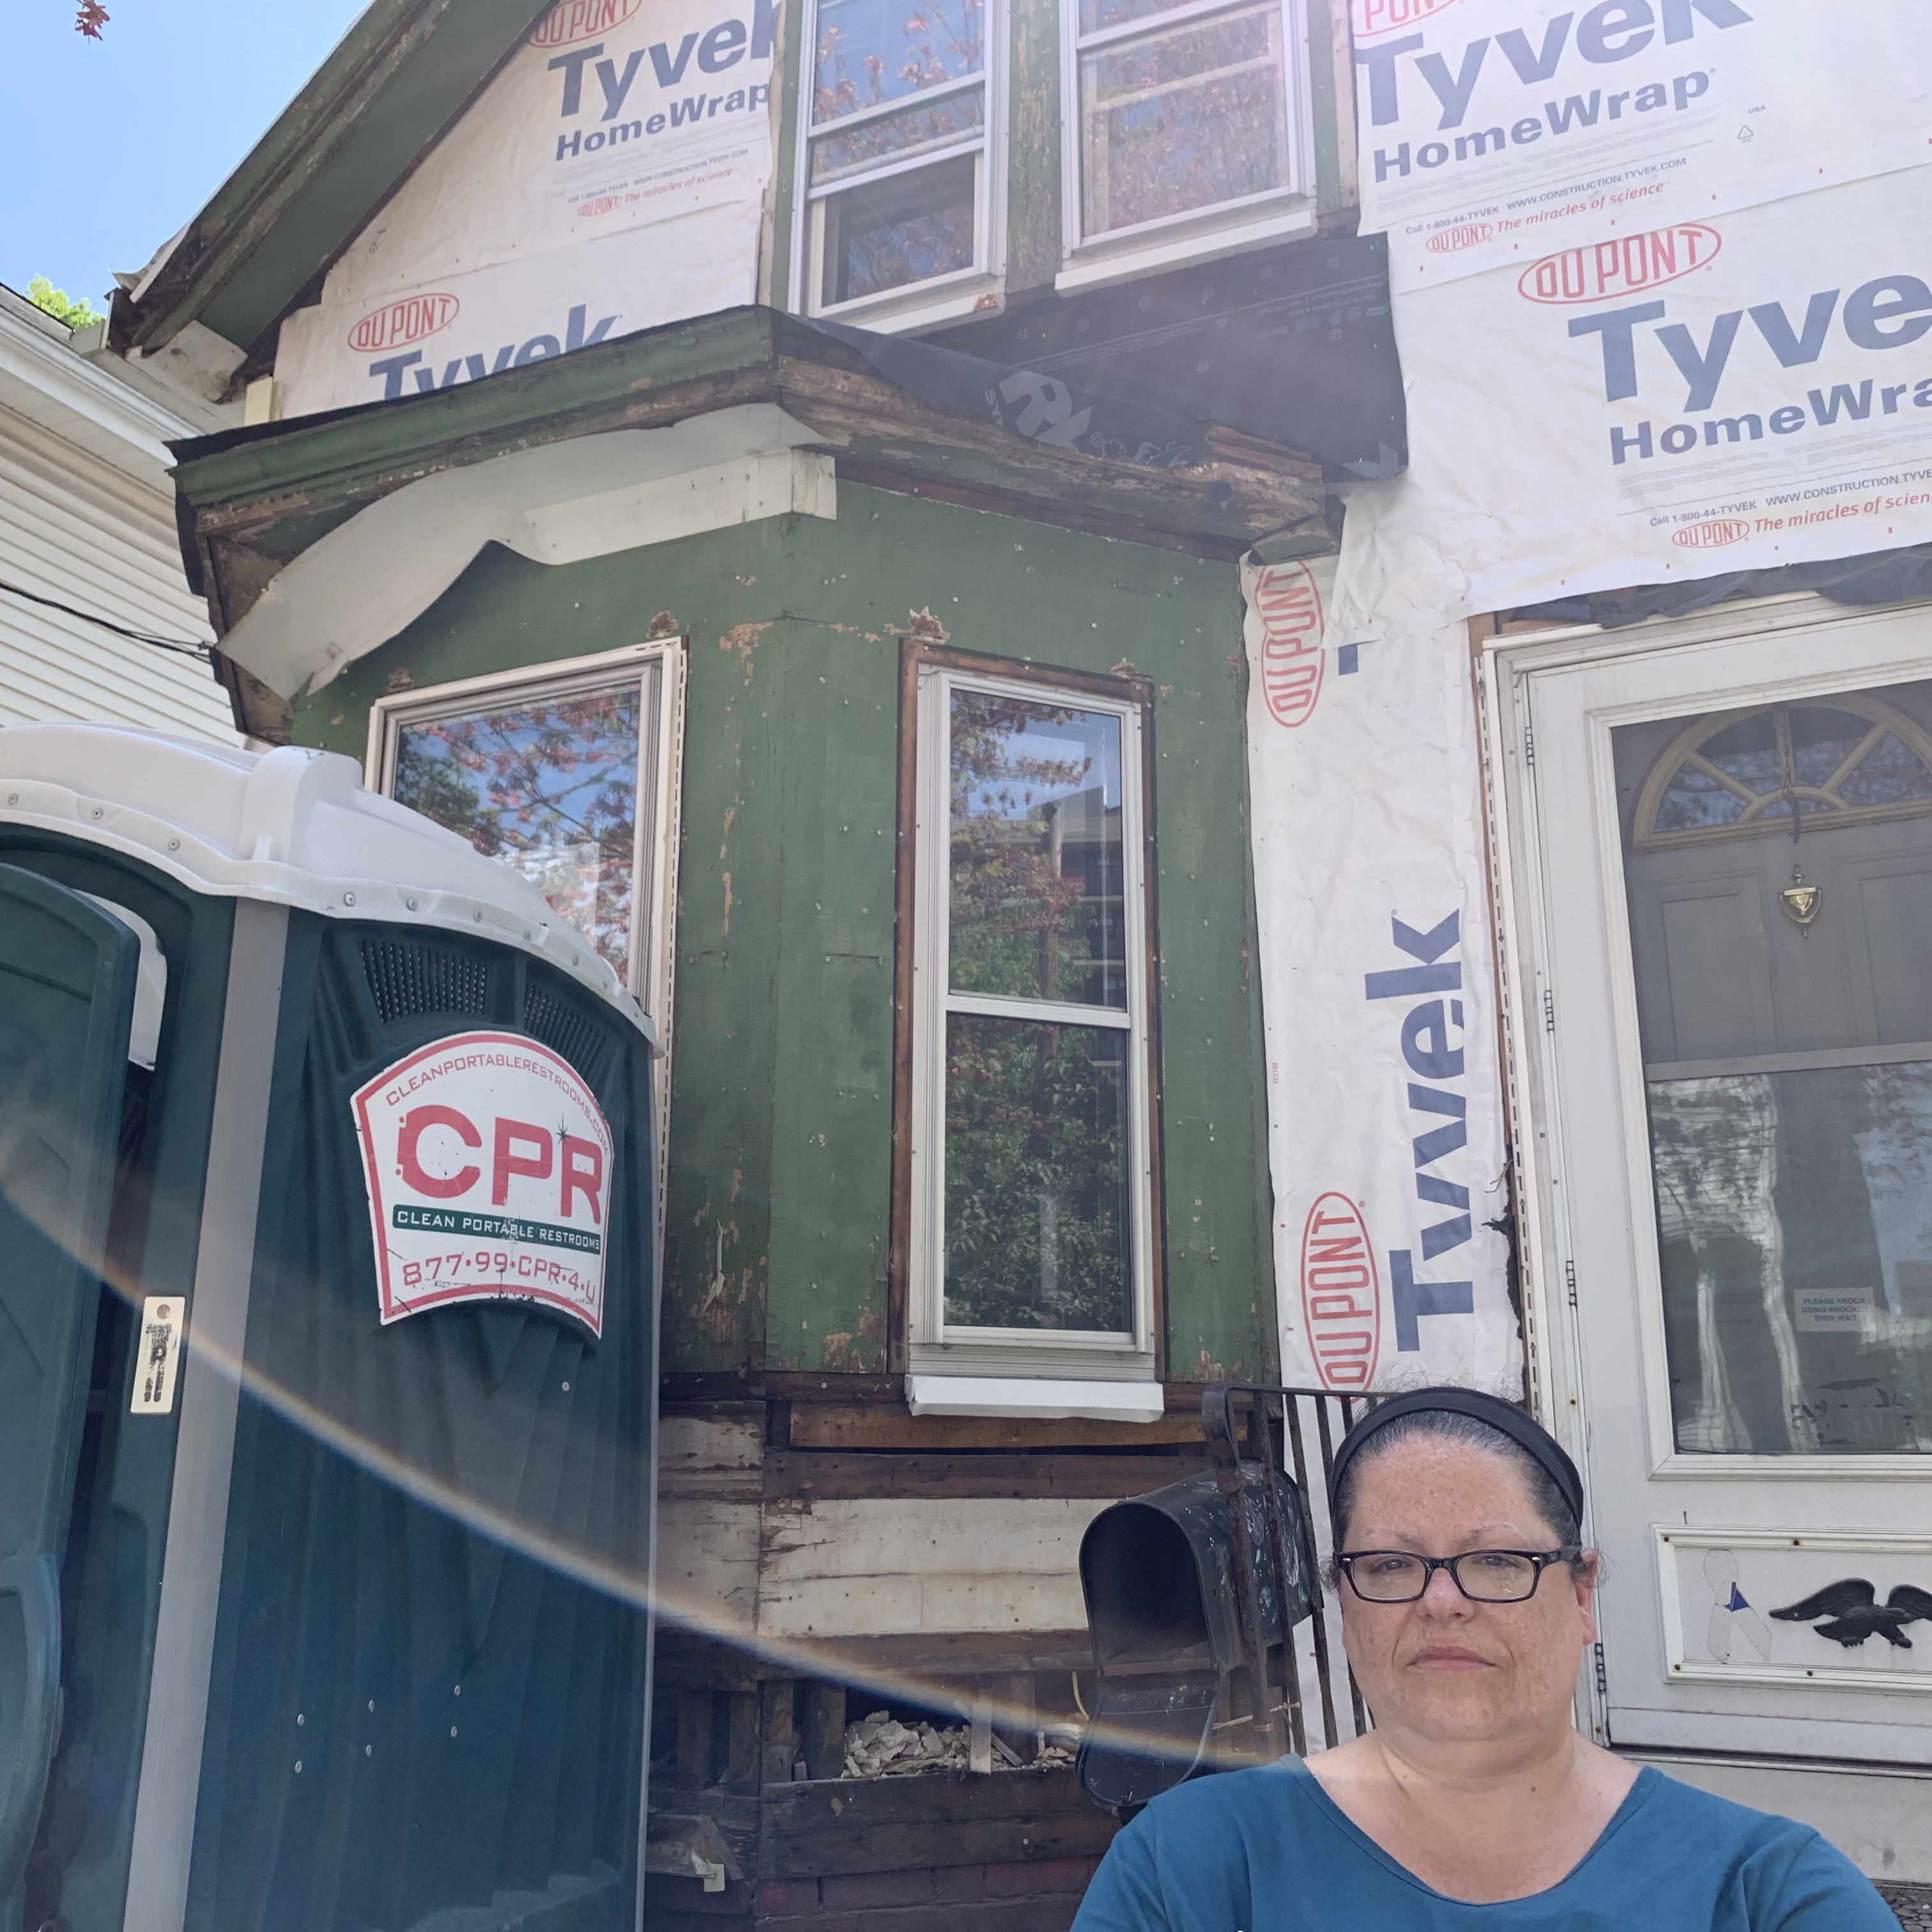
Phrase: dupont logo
(1374, 17)
(1289, 606)
(1341, 1299)
(1607, 269)
(581, 20)
(603, 205)
(1712, 534)
(411, 319)
(1464, 235)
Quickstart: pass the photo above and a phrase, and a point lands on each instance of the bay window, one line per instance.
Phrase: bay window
(1031, 1183)
(566, 773)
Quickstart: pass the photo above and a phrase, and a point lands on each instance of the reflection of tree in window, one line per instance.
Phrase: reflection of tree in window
(915, 223)
(550, 788)
(1037, 1214)
(1038, 1208)
(1180, 117)
(1038, 887)
(872, 51)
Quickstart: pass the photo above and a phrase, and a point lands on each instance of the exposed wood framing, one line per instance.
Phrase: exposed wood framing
(901, 1824)
(839, 1427)
(258, 497)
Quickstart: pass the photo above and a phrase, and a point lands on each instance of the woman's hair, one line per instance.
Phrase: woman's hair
(1436, 1425)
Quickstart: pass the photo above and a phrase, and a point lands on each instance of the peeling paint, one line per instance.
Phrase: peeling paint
(844, 1354)
(922, 625)
(743, 638)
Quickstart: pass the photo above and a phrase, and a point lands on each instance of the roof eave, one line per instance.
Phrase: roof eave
(397, 80)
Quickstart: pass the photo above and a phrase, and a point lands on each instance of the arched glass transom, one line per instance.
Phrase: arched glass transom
(1840, 761)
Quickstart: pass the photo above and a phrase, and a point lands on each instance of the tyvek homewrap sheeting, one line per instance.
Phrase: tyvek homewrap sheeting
(1732, 393)
(1499, 131)
(1385, 1128)
(609, 178)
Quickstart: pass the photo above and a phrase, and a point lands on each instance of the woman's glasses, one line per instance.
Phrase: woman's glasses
(1482, 1576)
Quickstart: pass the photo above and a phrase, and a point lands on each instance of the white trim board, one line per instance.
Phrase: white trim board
(371, 578)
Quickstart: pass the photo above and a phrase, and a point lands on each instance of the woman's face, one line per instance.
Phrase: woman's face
(1442, 1667)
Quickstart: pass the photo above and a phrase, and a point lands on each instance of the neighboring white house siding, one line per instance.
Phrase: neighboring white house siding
(75, 529)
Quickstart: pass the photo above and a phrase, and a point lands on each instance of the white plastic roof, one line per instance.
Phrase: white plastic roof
(291, 825)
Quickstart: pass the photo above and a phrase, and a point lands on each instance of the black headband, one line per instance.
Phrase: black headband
(1530, 1436)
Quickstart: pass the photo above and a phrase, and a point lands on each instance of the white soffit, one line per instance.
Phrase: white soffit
(998, 1395)
(294, 826)
(373, 576)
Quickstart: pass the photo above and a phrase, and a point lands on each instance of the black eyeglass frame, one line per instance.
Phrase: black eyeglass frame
(1542, 1559)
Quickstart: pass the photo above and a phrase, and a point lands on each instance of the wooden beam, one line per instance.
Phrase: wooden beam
(684, 1661)
(822, 1723)
(744, 1767)
(829, 1426)
(935, 1819)
(777, 1720)
(693, 1739)
(823, 1475)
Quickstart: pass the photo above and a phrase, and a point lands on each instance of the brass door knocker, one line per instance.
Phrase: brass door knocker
(1800, 902)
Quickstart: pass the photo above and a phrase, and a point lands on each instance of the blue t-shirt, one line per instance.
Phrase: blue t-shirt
(1269, 1850)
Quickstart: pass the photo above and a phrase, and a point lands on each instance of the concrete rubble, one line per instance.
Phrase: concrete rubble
(880, 1746)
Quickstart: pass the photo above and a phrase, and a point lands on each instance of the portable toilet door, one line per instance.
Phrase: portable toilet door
(326, 1605)
(67, 975)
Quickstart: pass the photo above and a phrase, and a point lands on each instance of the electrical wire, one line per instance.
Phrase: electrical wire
(186, 646)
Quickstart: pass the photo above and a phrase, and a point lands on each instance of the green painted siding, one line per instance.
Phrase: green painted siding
(778, 1207)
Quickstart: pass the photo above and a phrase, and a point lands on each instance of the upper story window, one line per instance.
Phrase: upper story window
(898, 214)
(1184, 129)
(1031, 1146)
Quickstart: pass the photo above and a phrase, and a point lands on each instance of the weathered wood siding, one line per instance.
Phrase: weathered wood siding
(777, 1208)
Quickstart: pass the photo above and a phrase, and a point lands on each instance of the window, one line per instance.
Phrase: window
(899, 213)
(568, 775)
(1184, 130)
(1031, 1247)
(1846, 761)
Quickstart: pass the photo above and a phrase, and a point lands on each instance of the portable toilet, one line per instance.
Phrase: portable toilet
(328, 1331)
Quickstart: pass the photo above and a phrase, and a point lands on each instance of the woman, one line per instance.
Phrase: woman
(1474, 1803)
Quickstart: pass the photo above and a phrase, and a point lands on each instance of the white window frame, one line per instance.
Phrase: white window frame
(940, 299)
(1197, 235)
(932, 1346)
(654, 910)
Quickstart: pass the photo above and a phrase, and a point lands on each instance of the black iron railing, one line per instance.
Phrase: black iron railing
(1297, 1431)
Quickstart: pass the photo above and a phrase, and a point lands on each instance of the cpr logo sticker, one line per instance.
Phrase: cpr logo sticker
(488, 1165)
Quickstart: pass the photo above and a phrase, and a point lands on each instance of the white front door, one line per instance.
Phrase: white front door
(1718, 878)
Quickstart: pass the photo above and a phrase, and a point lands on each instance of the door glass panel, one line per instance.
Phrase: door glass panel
(1778, 867)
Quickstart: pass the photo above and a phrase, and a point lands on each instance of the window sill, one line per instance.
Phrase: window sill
(1052, 1401)
(904, 310)
(1096, 263)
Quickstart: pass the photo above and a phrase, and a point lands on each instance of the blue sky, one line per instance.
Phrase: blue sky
(107, 147)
